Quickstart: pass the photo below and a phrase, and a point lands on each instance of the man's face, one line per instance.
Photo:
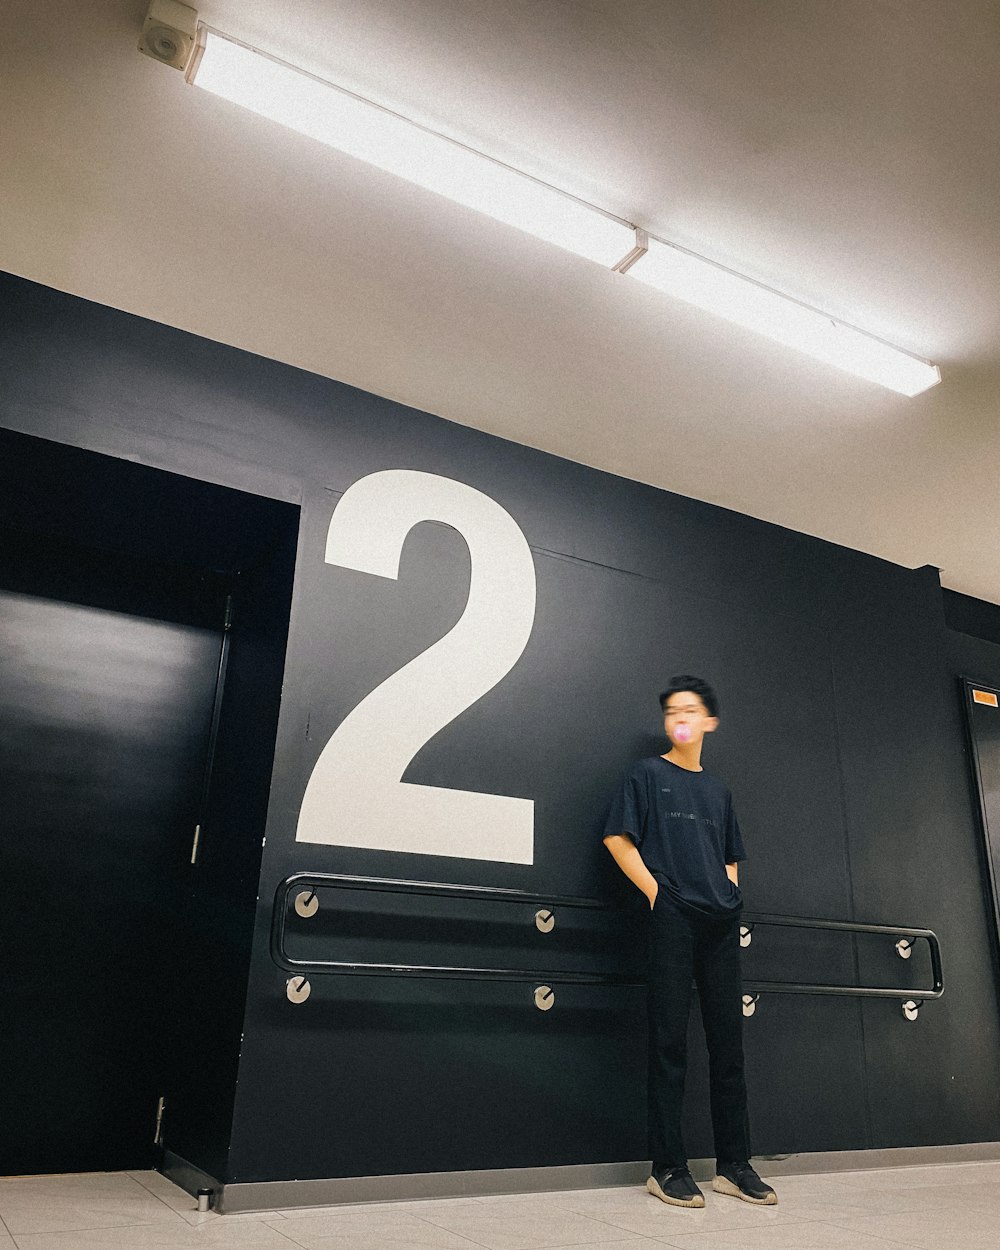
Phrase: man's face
(686, 719)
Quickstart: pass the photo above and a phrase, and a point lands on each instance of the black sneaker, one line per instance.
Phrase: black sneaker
(676, 1186)
(740, 1181)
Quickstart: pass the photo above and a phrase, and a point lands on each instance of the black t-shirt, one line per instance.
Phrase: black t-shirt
(686, 830)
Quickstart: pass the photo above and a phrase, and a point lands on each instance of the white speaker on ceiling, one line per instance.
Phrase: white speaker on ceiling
(169, 33)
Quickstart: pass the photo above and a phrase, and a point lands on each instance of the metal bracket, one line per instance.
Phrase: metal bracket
(306, 903)
(297, 989)
(544, 997)
(638, 251)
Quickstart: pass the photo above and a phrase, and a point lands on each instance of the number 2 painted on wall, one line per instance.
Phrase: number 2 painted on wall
(355, 795)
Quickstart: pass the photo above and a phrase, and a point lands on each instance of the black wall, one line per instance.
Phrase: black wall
(841, 738)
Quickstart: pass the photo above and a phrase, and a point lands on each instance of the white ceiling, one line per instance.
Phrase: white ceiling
(848, 153)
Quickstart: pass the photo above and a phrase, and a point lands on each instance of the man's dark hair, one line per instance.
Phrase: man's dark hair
(684, 681)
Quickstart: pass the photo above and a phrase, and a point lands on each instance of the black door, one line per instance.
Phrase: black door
(108, 672)
(982, 711)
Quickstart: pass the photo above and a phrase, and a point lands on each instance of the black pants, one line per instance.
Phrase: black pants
(683, 949)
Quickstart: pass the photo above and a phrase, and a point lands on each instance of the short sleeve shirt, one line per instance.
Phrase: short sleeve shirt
(686, 830)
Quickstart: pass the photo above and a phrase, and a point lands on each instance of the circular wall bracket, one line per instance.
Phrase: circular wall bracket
(545, 997)
(306, 903)
(297, 989)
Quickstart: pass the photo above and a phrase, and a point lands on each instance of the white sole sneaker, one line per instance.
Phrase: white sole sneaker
(697, 1200)
(723, 1186)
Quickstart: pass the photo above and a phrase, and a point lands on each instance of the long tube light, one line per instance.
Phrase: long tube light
(371, 133)
(717, 290)
(345, 121)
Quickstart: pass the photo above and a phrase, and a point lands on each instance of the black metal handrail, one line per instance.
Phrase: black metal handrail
(390, 885)
(850, 926)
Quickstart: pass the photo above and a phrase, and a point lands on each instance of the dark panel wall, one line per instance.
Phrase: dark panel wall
(912, 845)
(578, 706)
(840, 738)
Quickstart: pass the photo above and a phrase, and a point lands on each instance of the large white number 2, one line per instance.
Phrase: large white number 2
(355, 796)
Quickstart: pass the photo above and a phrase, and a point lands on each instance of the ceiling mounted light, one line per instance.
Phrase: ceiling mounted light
(345, 121)
(342, 120)
(701, 282)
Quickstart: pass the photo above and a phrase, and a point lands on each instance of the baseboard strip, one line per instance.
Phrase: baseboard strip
(337, 1191)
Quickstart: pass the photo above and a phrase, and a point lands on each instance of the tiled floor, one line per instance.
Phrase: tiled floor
(952, 1206)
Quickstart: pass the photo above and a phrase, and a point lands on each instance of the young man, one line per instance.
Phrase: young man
(673, 832)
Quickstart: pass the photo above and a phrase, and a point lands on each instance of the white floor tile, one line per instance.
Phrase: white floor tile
(159, 1186)
(785, 1237)
(177, 1235)
(969, 1229)
(77, 1202)
(371, 1230)
(514, 1226)
(404, 1207)
(919, 1175)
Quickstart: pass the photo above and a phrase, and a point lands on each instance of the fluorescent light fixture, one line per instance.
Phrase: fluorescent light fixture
(741, 300)
(342, 120)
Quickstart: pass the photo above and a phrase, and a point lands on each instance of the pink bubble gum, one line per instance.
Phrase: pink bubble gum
(682, 733)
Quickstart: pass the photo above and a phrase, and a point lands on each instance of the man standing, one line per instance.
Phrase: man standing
(673, 832)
